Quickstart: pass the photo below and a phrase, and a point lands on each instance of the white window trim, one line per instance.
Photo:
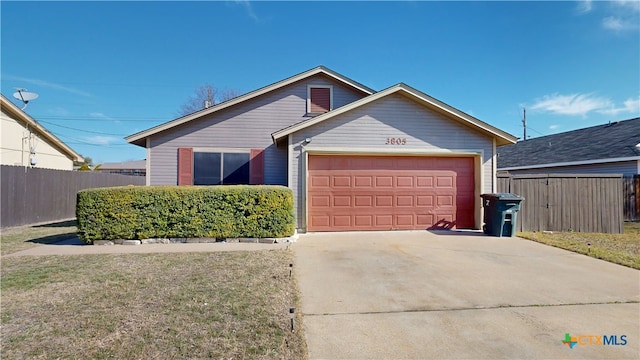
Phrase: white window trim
(312, 86)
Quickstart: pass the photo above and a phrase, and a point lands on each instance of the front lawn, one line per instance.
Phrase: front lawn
(623, 249)
(227, 305)
(19, 238)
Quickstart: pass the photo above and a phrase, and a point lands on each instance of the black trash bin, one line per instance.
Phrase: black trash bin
(501, 213)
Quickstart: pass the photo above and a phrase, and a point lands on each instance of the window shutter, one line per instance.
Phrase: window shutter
(256, 167)
(320, 100)
(185, 166)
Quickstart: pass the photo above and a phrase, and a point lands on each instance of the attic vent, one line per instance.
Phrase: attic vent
(319, 99)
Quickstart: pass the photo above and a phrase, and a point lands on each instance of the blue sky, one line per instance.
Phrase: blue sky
(105, 70)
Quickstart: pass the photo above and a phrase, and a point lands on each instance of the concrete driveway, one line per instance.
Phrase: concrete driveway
(461, 295)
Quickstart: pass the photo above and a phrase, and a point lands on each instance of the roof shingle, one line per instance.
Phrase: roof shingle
(614, 140)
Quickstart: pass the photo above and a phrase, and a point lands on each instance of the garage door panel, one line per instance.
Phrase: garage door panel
(341, 220)
(404, 181)
(424, 200)
(363, 201)
(444, 200)
(424, 181)
(342, 201)
(404, 220)
(404, 200)
(364, 221)
(341, 181)
(320, 201)
(383, 193)
(363, 181)
(384, 181)
(445, 182)
(320, 181)
(319, 221)
(384, 221)
(384, 201)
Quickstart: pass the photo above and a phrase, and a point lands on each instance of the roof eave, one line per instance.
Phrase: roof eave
(137, 138)
(570, 163)
(502, 138)
(19, 113)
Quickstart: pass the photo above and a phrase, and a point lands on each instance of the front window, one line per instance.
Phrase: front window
(221, 168)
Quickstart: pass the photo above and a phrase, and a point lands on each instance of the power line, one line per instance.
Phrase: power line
(76, 129)
(83, 118)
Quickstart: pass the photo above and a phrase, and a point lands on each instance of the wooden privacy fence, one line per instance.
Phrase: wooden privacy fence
(567, 202)
(33, 195)
(631, 188)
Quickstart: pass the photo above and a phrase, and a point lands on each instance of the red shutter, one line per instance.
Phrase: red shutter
(185, 166)
(320, 100)
(256, 167)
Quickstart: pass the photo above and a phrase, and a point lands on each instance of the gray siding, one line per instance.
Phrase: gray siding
(622, 167)
(244, 126)
(368, 127)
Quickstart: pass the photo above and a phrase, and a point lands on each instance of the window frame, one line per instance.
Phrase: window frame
(317, 86)
(222, 151)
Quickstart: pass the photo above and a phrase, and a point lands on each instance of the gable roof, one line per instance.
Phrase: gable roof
(19, 114)
(138, 138)
(501, 137)
(616, 141)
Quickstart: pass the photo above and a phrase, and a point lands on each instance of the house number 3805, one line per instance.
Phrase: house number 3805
(396, 141)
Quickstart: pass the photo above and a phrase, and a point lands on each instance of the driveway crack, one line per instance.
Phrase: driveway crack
(497, 307)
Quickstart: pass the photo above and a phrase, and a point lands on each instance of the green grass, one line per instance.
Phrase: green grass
(623, 249)
(227, 305)
(23, 237)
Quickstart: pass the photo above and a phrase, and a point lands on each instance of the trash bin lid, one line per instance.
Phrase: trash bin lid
(502, 196)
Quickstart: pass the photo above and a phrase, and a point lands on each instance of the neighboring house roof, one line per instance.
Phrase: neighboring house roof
(18, 114)
(125, 165)
(613, 142)
(501, 137)
(138, 138)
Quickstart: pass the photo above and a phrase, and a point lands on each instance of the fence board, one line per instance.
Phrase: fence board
(568, 202)
(632, 198)
(33, 195)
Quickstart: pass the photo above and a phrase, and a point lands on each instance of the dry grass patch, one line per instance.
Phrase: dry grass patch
(623, 249)
(231, 305)
(23, 237)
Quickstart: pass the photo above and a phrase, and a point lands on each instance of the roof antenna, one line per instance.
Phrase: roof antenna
(24, 96)
(524, 123)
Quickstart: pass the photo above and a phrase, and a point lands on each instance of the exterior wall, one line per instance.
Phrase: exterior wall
(623, 167)
(366, 129)
(16, 142)
(245, 126)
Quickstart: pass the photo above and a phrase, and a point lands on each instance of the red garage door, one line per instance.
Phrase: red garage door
(389, 193)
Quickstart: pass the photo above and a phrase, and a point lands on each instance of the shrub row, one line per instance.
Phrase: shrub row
(253, 211)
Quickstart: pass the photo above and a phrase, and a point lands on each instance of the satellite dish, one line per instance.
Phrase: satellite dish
(24, 96)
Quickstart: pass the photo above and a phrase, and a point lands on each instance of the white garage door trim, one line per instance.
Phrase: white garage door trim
(478, 155)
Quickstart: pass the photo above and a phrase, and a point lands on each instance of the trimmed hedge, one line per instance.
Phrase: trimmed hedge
(252, 211)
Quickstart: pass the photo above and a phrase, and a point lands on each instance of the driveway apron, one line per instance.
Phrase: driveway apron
(461, 295)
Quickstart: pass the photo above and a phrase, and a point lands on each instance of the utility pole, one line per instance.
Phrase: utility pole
(524, 122)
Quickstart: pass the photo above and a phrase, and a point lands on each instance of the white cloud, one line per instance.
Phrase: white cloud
(623, 16)
(629, 106)
(246, 4)
(102, 140)
(618, 24)
(633, 5)
(44, 83)
(101, 116)
(58, 111)
(573, 104)
(553, 127)
(582, 104)
(584, 6)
